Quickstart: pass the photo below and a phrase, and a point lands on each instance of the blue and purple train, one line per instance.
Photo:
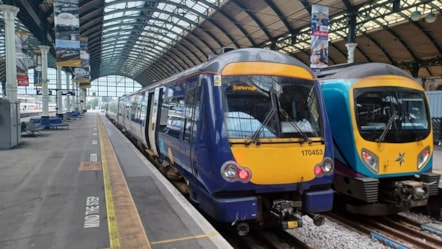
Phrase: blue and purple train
(246, 132)
(382, 136)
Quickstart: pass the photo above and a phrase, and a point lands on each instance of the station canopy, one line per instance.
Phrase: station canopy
(152, 39)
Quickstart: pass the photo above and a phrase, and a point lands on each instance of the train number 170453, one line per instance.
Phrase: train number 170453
(315, 152)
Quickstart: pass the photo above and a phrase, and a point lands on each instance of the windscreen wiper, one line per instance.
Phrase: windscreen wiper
(387, 127)
(255, 136)
(299, 130)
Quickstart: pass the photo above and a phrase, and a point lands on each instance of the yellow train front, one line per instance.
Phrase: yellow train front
(382, 137)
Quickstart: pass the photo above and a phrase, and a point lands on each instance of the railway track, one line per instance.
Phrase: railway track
(395, 231)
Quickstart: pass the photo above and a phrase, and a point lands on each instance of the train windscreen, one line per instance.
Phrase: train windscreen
(391, 114)
(270, 107)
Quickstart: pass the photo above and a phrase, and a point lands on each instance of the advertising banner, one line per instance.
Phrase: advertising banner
(67, 33)
(82, 74)
(21, 55)
(319, 37)
(84, 85)
(37, 69)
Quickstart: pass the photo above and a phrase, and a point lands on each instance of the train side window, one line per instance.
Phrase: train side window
(172, 110)
(189, 113)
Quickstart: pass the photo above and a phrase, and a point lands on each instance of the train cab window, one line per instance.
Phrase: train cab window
(246, 106)
(270, 106)
(391, 114)
(299, 111)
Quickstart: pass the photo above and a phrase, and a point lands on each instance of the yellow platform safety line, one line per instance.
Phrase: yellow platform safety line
(186, 238)
(124, 224)
(111, 223)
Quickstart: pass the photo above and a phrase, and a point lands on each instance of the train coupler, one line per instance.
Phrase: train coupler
(285, 213)
(411, 193)
(294, 222)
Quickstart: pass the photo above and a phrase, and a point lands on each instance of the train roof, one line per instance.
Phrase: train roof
(251, 55)
(217, 63)
(360, 70)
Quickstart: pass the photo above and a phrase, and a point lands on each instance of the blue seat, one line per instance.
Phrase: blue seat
(56, 123)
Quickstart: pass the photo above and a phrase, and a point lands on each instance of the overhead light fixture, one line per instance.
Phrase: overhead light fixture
(430, 18)
(416, 15)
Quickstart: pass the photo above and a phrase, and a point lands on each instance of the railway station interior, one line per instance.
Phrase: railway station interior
(78, 182)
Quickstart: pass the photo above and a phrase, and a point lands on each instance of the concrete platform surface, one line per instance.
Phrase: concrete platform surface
(88, 187)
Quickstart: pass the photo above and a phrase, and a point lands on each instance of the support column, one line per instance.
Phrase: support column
(75, 100)
(77, 97)
(68, 97)
(83, 98)
(351, 52)
(59, 107)
(10, 12)
(44, 80)
(351, 35)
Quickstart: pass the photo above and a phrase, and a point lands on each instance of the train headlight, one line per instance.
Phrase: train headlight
(423, 157)
(324, 168)
(232, 172)
(370, 160)
(327, 166)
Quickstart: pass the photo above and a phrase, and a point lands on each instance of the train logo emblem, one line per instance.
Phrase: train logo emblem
(400, 158)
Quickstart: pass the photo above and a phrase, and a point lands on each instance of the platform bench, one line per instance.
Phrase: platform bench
(56, 123)
(30, 128)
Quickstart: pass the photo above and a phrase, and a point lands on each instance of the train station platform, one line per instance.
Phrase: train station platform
(88, 187)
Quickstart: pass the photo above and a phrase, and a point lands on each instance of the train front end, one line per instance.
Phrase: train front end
(273, 149)
(383, 143)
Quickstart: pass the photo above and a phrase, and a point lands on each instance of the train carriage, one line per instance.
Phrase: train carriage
(247, 132)
(382, 137)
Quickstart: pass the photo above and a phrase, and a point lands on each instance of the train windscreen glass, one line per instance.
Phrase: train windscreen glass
(270, 107)
(390, 114)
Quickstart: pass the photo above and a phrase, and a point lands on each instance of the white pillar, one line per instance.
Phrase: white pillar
(9, 13)
(75, 86)
(77, 97)
(59, 107)
(44, 80)
(351, 52)
(68, 97)
(83, 104)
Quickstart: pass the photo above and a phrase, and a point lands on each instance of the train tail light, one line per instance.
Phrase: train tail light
(370, 160)
(423, 157)
(232, 172)
(324, 168)
(318, 170)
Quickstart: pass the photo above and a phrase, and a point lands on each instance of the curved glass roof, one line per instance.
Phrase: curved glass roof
(138, 33)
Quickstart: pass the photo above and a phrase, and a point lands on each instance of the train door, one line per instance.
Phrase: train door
(190, 119)
(151, 123)
(139, 115)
